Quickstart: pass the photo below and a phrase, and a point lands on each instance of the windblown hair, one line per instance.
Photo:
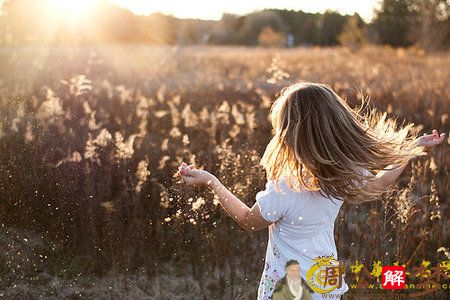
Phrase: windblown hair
(325, 145)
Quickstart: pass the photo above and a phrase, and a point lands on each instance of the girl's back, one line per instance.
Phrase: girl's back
(302, 229)
(324, 144)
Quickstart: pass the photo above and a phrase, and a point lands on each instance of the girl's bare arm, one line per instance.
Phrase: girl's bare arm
(384, 179)
(250, 219)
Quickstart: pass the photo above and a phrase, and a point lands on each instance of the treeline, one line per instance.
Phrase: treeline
(396, 22)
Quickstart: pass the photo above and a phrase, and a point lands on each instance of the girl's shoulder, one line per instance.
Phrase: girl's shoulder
(291, 184)
(302, 197)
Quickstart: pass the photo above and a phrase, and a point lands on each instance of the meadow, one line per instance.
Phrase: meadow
(90, 142)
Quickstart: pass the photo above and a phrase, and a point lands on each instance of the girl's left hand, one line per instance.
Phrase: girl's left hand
(430, 140)
(192, 176)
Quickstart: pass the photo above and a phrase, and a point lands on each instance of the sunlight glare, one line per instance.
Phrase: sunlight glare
(70, 7)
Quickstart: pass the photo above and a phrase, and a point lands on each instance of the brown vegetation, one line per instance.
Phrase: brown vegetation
(91, 138)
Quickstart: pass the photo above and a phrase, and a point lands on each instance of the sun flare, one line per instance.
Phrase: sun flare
(70, 7)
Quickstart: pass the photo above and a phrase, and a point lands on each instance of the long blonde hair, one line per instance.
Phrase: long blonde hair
(325, 145)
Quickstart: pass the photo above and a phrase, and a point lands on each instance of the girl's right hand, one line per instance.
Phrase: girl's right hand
(192, 176)
(430, 140)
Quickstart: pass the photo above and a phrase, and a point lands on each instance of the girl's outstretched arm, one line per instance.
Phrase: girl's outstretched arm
(250, 219)
(386, 178)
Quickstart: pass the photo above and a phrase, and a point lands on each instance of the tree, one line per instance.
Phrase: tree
(25, 25)
(353, 34)
(304, 26)
(431, 26)
(407, 22)
(255, 22)
(392, 22)
(330, 26)
(225, 31)
(270, 38)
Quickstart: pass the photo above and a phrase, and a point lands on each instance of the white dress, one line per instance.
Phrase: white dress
(302, 229)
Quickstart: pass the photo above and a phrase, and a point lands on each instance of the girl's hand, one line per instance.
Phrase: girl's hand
(430, 140)
(191, 176)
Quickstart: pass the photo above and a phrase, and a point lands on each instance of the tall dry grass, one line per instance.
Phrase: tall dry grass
(91, 139)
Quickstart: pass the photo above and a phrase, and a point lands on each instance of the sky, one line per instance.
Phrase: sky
(213, 9)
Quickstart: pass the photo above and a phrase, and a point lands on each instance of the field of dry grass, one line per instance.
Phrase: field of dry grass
(90, 139)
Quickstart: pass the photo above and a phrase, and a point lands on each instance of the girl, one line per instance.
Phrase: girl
(322, 153)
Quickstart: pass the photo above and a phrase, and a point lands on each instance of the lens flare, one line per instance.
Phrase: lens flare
(70, 7)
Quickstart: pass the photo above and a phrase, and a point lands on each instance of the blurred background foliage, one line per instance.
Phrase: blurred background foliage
(98, 111)
(88, 153)
(424, 23)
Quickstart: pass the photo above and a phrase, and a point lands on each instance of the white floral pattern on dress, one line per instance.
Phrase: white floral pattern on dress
(267, 283)
(276, 251)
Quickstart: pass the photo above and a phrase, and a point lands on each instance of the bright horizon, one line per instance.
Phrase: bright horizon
(199, 9)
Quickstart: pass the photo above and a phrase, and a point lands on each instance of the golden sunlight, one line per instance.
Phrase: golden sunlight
(68, 7)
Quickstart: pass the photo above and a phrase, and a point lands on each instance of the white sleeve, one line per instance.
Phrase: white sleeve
(271, 203)
(366, 172)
